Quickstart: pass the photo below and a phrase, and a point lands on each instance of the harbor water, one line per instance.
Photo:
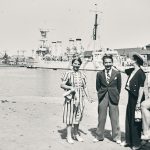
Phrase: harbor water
(20, 81)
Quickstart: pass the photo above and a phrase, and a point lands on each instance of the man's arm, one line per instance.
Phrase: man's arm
(98, 82)
(119, 82)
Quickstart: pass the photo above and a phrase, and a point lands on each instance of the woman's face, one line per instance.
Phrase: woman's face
(133, 62)
(76, 65)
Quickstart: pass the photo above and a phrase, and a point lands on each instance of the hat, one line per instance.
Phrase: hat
(140, 57)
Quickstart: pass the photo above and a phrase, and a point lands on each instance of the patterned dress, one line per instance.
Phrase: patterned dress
(74, 106)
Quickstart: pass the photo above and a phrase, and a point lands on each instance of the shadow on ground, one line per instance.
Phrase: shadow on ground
(146, 146)
(107, 134)
(63, 132)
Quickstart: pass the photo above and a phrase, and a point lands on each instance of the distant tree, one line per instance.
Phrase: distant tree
(5, 58)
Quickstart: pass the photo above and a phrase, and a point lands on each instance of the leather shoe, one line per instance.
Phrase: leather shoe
(145, 137)
(70, 141)
(118, 141)
(136, 147)
(124, 144)
(78, 138)
(97, 140)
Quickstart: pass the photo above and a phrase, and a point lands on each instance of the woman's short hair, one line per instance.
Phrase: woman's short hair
(78, 59)
(138, 60)
(107, 56)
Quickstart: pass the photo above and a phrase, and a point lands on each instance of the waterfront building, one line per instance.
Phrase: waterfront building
(79, 46)
(88, 55)
(126, 53)
(56, 50)
(19, 60)
(75, 49)
(148, 47)
(53, 50)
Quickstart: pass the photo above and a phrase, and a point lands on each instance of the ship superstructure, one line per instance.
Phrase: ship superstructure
(44, 47)
(55, 57)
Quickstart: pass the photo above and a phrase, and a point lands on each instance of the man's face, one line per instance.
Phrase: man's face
(108, 63)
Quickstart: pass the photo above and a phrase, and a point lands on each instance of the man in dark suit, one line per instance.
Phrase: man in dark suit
(108, 86)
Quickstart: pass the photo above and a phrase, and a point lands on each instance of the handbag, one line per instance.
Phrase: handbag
(138, 116)
(69, 95)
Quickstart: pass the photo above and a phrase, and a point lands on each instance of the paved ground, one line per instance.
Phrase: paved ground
(35, 123)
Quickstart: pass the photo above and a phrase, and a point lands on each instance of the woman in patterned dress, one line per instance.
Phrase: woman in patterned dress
(74, 82)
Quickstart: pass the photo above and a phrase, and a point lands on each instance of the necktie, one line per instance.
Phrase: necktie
(107, 76)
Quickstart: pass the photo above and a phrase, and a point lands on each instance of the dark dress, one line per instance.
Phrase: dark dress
(133, 129)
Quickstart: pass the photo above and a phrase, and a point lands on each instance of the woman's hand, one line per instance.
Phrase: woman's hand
(119, 68)
(138, 105)
(90, 99)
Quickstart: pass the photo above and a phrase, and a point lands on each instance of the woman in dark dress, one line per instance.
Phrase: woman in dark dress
(135, 88)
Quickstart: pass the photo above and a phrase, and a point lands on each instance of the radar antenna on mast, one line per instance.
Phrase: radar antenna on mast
(43, 49)
(95, 29)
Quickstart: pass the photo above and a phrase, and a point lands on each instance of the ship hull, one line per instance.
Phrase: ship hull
(65, 65)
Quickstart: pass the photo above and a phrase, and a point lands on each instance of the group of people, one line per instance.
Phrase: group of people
(108, 86)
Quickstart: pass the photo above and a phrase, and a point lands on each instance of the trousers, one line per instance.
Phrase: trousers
(114, 118)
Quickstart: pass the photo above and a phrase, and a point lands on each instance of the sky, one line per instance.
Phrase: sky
(122, 23)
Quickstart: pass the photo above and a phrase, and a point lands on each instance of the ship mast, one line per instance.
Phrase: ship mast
(95, 27)
(43, 49)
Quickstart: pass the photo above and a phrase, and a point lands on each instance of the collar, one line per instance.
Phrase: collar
(110, 71)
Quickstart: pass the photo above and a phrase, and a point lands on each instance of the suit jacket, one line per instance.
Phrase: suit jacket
(113, 88)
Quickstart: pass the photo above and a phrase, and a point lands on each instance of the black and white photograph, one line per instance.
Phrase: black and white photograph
(74, 74)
